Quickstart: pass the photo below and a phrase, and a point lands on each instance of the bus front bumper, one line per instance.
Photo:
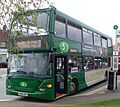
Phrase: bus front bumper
(47, 95)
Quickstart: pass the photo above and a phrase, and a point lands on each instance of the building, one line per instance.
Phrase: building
(3, 48)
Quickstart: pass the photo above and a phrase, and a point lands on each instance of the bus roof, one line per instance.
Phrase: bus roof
(65, 16)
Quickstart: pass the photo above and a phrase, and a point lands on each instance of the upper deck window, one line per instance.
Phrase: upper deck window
(97, 39)
(60, 29)
(74, 33)
(104, 42)
(87, 36)
(31, 24)
(109, 42)
(31, 30)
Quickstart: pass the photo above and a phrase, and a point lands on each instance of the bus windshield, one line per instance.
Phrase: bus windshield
(31, 30)
(33, 65)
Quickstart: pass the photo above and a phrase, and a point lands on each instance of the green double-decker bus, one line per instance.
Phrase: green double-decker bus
(52, 55)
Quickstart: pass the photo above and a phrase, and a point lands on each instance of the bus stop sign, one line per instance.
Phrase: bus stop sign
(115, 27)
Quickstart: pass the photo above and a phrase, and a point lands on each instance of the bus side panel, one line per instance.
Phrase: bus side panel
(72, 44)
(80, 78)
(95, 76)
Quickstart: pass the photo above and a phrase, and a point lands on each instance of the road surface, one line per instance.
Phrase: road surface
(97, 93)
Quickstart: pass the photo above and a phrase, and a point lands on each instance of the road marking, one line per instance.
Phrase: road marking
(93, 91)
(6, 100)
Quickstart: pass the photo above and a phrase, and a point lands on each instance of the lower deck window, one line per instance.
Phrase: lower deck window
(74, 64)
(95, 63)
(88, 63)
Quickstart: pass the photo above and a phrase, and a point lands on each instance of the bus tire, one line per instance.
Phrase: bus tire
(73, 87)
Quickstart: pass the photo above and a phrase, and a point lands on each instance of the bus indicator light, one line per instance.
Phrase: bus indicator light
(49, 85)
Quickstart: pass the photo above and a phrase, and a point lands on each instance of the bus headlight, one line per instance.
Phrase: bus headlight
(49, 85)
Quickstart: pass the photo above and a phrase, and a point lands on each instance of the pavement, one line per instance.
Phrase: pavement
(3, 96)
(3, 72)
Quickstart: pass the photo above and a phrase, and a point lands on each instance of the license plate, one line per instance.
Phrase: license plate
(23, 94)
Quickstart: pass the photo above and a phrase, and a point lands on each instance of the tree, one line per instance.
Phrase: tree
(8, 7)
(7, 10)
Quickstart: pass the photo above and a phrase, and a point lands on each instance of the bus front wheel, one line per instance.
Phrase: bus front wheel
(74, 87)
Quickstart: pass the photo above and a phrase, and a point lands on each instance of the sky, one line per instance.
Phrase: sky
(102, 15)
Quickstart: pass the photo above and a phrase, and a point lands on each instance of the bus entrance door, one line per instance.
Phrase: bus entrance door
(60, 76)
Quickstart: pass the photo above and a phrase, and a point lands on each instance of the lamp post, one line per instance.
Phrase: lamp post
(112, 81)
(115, 60)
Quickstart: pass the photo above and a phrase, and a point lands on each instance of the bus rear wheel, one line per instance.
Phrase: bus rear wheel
(74, 87)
